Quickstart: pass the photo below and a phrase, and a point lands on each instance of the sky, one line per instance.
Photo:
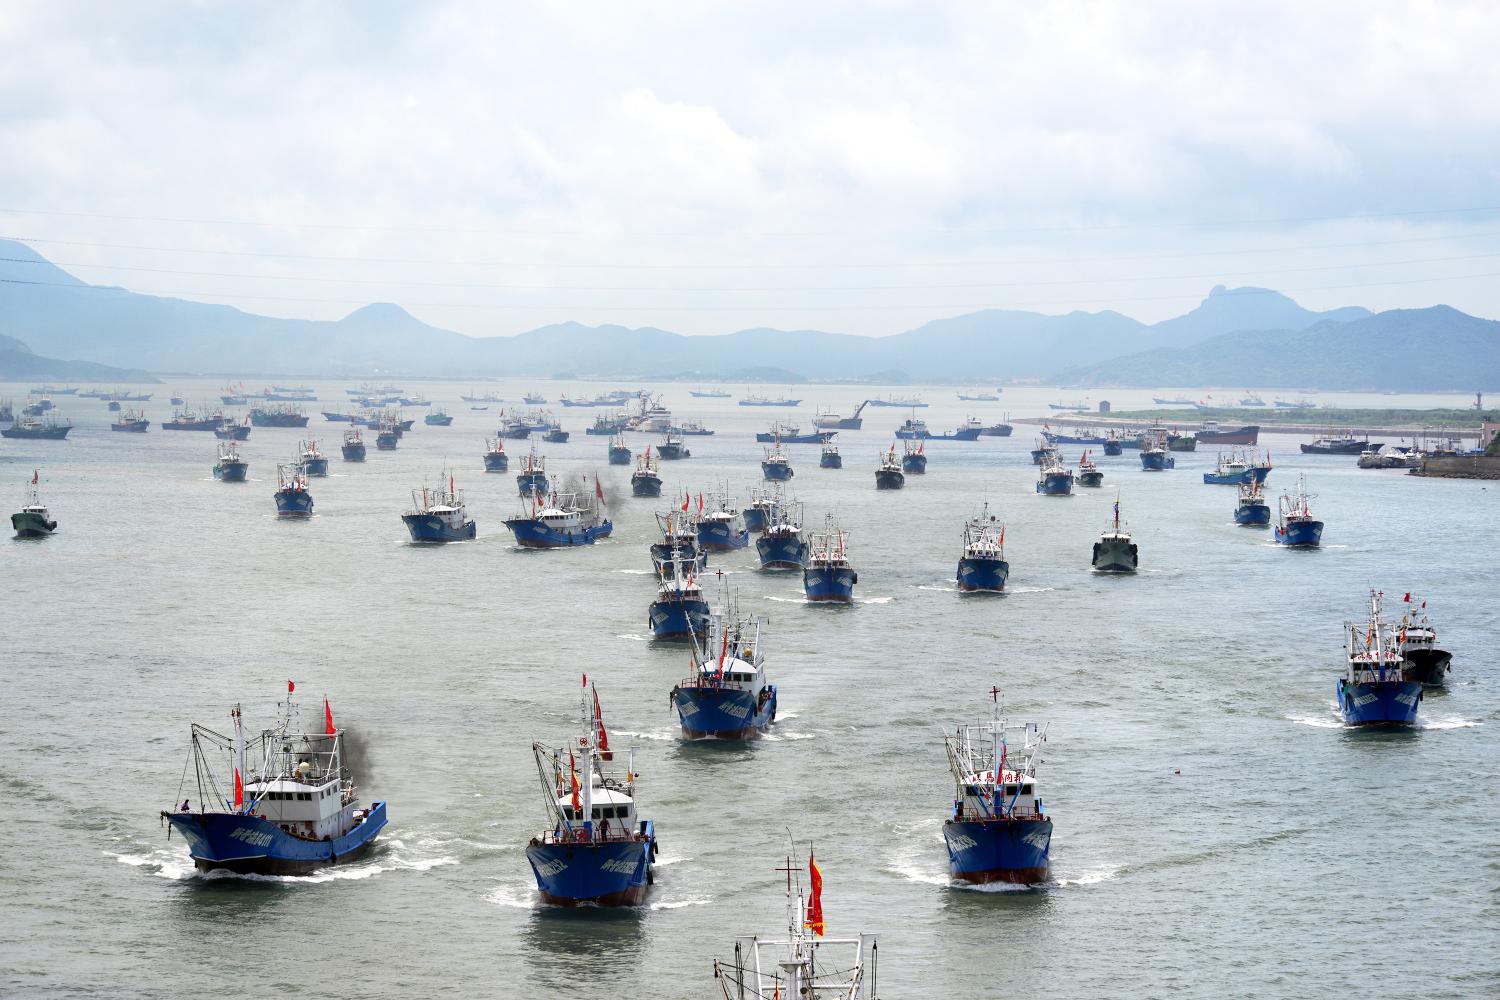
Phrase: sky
(708, 167)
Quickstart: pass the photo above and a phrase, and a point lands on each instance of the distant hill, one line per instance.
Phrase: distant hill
(1403, 350)
(44, 305)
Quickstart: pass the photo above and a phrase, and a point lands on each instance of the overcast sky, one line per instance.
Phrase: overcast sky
(702, 167)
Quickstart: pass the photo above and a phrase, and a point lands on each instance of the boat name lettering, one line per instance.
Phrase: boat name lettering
(255, 838)
(738, 711)
(1037, 838)
(551, 869)
(961, 843)
(620, 867)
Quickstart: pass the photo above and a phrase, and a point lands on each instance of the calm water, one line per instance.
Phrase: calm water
(1288, 858)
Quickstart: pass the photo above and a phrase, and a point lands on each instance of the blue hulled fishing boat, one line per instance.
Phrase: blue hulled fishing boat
(554, 434)
(532, 482)
(353, 448)
(790, 433)
(563, 520)
(1377, 688)
(782, 545)
(828, 576)
(619, 452)
(437, 418)
(914, 460)
(1045, 454)
(598, 851)
(495, 458)
(726, 695)
(314, 462)
(721, 528)
(645, 481)
(292, 498)
(131, 422)
(230, 467)
(679, 544)
(757, 512)
(1088, 473)
(680, 609)
(437, 516)
(982, 568)
(1295, 525)
(295, 813)
(1155, 455)
(387, 436)
(1113, 445)
(830, 457)
(998, 831)
(1236, 469)
(888, 474)
(608, 425)
(1085, 436)
(1252, 509)
(1054, 479)
(233, 430)
(776, 467)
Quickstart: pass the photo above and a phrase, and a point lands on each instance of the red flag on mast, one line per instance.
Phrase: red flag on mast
(290, 687)
(328, 726)
(598, 489)
(601, 735)
(815, 904)
(34, 475)
(700, 503)
(685, 500)
(239, 790)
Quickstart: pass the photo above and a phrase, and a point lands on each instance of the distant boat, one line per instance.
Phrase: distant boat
(609, 424)
(438, 418)
(338, 418)
(230, 467)
(645, 481)
(534, 399)
(765, 401)
(387, 436)
(1174, 401)
(1252, 400)
(1235, 469)
(488, 397)
(914, 460)
(353, 447)
(314, 462)
(495, 458)
(671, 448)
(776, 467)
(36, 429)
(554, 434)
(619, 451)
(438, 516)
(978, 396)
(827, 420)
(830, 457)
(904, 402)
(1300, 403)
(277, 416)
(1115, 552)
(790, 433)
(33, 520)
(131, 422)
(1209, 432)
(1340, 444)
(708, 393)
(188, 419)
(233, 430)
(1080, 405)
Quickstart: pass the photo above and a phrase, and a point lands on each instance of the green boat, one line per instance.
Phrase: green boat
(32, 520)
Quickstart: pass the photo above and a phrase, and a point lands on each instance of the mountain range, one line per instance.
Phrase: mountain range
(1235, 336)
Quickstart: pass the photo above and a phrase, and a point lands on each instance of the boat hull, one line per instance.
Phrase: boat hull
(1251, 474)
(977, 575)
(619, 456)
(532, 484)
(1156, 461)
(999, 850)
(354, 452)
(250, 845)
(431, 529)
(756, 518)
(315, 466)
(1256, 515)
(131, 426)
(829, 584)
(708, 712)
(1115, 556)
(1055, 486)
(1300, 534)
(889, 479)
(532, 533)
(294, 503)
(1091, 479)
(781, 551)
(687, 561)
(645, 485)
(28, 524)
(1379, 703)
(599, 873)
(764, 437)
(914, 465)
(233, 432)
(1429, 666)
(672, 452)
(997, 430)
(677, 619)
(714, 537)
(1249, 434)
(496, 461)
(1114, 448)
(967, 434)
(831, 462)
(232, 472)
(776, 472)
(37, 434)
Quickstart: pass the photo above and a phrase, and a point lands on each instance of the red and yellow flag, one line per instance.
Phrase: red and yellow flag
(815, 904)
(573, 767)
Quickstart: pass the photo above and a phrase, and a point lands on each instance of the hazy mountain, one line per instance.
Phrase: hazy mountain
(47, 307)
(1404, 350)
(19, 364)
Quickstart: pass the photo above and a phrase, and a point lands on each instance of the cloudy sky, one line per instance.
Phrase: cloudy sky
(860, 167)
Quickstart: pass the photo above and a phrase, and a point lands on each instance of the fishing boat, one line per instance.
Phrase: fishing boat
(534, 399)
(554, 434)
(1088, 472)
(789, 433)
(1339, 444)
(1085, 435)
(338, 418)
(295, 813)
(826, 420)
(645, 481)
(1236, 469)
(353, 448)
(514, 428)
(131, 422)
(776, 467)
(230, 467)
(37, 429)
(708, 393)
(37, 407)
(1175, 401)
(33, 520)
(1045, 454)
(481, 397)
(888, 474)
(914, 460)
(680, 610)
(671, 448)
(978, 396)
(903, 402)
(1113, 445)
(561, 520)
(1115, 552)
(314, 462)
(1295, 525)
(1417, 639)
(754, 400)
(233, 430)
(982, 568)
(7, 411)
(533, 478)
(721, 527)
(1376, 689)
(1251, 399)
(678, 548)
(188, 419)
(495, 458)
(691, 428)
(53, 390)
(1209, 432)
(619, 451)
(762, 503)
(438, 418)
(598, 852)
(830, 458)
(292, 497)
(913, 428)
(1083, 405)
(1002, 429)
(1181, 442)
(608, 425)
(1155, 456)
(783, 545)
(726, 695)
(277, 416)
(1300, 403)
(418, 401)
(439, 516)
(1252, 509)
(1054, 479)
(998, 831)
(828, 577)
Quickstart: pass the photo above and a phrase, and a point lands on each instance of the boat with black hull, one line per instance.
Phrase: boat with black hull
(230, 467)
(680, 610)
(353, 447)
(233, 430)
(726, 695)
(1003, 429)
(888, 474)
(1252, 509)
(1209, 432)
(608, 425)
(1115, 551)
(900, 402)
(645, 481)
(678, 546)
(982, 568)
(671, 448)
(1417, 638)
(1377, 687)
(131, 422)
(1088, 472)
(598, 852)
(495, 458)
(188, 419)
(1045, 454)
(790, 433)
(830, 458)
(1295, 525)
(33, 520)
(783, 545)
(554, 434)
(292, 497)
(277, 416)
(708, 394)
(1155, 455)
(38, 429)
(1086, 436)
(1340, 444)
(619, 452)
(998, 831)
(298, 812)
(561, 520)
(829, 577)
(314, 462)
(439, 515)
(754, 400)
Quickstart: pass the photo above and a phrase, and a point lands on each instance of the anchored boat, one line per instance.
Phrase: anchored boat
(561, 520)
(782, 545)
(888, 475)
(1340, 444)
(726, 695)
(828, 576)
(276, 416)
(439, 516)
(754, 400)
(680, 609)
(1377, 688)
(437, 418)
(982, 568)
(1209, 432)
(230, 467)
(33, 520)
(598, 851)
(786, 432)
(36, 429)
(645, 481)
(1252, 509)
(554, 434)
(188, 419)
(1295, 525)
(826, 420)
(353, 448)
(131, 422)
(295, 813)
(1114, 552)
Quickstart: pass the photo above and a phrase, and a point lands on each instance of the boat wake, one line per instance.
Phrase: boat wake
(1029, 590)
(667, 735)
(516, 897)
(940, 590)
(173, 863)
(632, 637)
(1321, 722)
(678, 904)
(1425, 723)
(873, 600)
(637, 572)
